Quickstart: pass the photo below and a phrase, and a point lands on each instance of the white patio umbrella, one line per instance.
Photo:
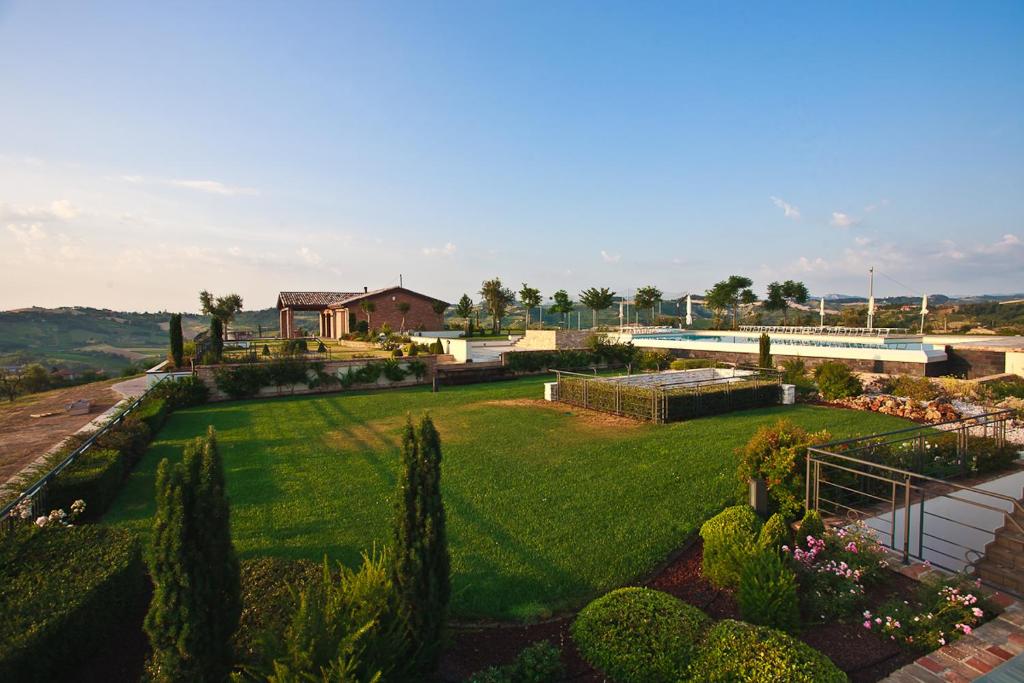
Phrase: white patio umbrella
(924, 310)
(689, 311)
(821, 310)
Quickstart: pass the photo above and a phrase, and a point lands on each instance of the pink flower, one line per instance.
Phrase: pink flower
(965, 628)
(942, 641)
(867, 624)
(851, 547)
(977, 612)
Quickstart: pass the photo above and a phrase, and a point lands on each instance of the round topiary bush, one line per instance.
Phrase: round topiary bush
(730, 537)
(738, 652)
(639, 635)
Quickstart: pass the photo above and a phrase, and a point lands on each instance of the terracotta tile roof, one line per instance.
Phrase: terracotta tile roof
(319, 300)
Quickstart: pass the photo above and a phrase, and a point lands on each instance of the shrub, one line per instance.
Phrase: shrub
(346, 627)
(182, 393)
(94, 477)
(269, 589)
(835, 381)
(242, 381)
(987, 456)
(810, 525)
(774, 534)
(652, 359)
(764, 351)
(692, 363)
(639, 635)
(735, 652)
(537, 663)
(729, 539)
(397, 352)
(1003, 389)
(176, 339)
(916, 388)
(777, 454)
(130, 438)
(413, 350)
(153, 413)
(794, 371)
(767, 592)
(287, 371)
(963, 389)
(64, 592)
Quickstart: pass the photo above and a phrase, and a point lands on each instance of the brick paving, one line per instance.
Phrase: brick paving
(973, 656)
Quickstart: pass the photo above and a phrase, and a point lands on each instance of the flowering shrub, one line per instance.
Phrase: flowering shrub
(945, 611)
(56, 518)
(832, 570)
(777, 453)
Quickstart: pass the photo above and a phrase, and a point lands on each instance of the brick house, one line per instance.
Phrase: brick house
(340, 312)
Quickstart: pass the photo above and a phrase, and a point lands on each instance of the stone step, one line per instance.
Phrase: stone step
(1009, 540)
(1010, 580)
(1005, 557)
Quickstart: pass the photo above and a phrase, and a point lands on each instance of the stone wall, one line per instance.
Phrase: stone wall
(859, 365)
(973, 363)
(334, 367)
(553, 340)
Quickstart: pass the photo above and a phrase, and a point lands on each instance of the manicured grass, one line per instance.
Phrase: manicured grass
(547, 507)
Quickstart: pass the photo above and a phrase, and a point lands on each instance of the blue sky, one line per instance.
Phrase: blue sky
(148, 150)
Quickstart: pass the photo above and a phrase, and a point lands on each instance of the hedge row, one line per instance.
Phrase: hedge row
(95, 477)
(63, 591)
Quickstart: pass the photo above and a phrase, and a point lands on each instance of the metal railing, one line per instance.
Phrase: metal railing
(841, 331)
(954, 522)
(36, 493)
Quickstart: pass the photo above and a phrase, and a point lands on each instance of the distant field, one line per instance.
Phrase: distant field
(547, 507)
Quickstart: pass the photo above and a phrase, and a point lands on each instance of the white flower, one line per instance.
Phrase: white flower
(42, 521)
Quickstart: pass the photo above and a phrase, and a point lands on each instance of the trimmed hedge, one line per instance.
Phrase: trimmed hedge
(153, 413)
(730, 538)
(95, 477)
(184, 392)
(737, 652)
(639, 635)
(62, 592)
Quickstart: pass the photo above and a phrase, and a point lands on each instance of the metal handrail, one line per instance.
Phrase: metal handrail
(36, 488)
(997, 415)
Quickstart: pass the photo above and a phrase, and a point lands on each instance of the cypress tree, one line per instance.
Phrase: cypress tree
(216, 338)
(177, 340)
(197, 598)
(422, 562)
(764, 346)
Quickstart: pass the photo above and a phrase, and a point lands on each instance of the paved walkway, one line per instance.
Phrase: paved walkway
(996, 647)
(131, 388)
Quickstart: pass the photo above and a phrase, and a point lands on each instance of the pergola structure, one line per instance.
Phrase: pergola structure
(289, 302)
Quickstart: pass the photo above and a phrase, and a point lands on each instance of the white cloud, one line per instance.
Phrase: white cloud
(842, 220)
(213, 187)
(1007, 243)
(876, 206)
(447, 250)
(60, 210)
(862, 241)
(309, 256)
(788, 210)
(610, 258)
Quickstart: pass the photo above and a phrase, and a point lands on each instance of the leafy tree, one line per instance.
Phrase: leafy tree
(222, 307)
(196, 601)
(216, 339)
(497, 298)
(422, 561)
(647, 297)
(529, 297)
(368, 308)
(597, 300)
(403, 308)
(781, 295)
(727, 295)
(439, 308)
(177, 340)
(563, 304)
(764, 357)
(464, 310)
(35, 378)
(10, 383)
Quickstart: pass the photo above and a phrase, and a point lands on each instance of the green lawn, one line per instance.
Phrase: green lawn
(546, 507)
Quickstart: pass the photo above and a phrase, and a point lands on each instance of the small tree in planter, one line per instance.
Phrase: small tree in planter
(439, 307)
(403, 308)
(368, 308)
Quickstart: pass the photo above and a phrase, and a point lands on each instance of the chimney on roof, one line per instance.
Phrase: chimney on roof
(365, 290)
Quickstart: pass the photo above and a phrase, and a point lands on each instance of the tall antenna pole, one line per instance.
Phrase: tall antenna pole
(871, 297)
(399, 279)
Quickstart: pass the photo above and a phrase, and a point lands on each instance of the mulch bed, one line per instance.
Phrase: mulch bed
(863, 655)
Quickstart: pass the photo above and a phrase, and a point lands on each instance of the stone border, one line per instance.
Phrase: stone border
(971, 656)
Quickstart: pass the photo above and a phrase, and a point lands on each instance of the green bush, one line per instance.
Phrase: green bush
(131, 438)
(794, 372)
(1002, 389)
(767, 593)
(774, 534)
(537, 663)
(729, 539)
(736, 652)
(652, 359)
(835, 381)
(241, 381)
(64, 592)
(153, 413)
(269, 589)
(777, 454)
(692, 363)
(95, 477)
(810, 525)
(917, 388)
(182, 393)
(639, 635)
